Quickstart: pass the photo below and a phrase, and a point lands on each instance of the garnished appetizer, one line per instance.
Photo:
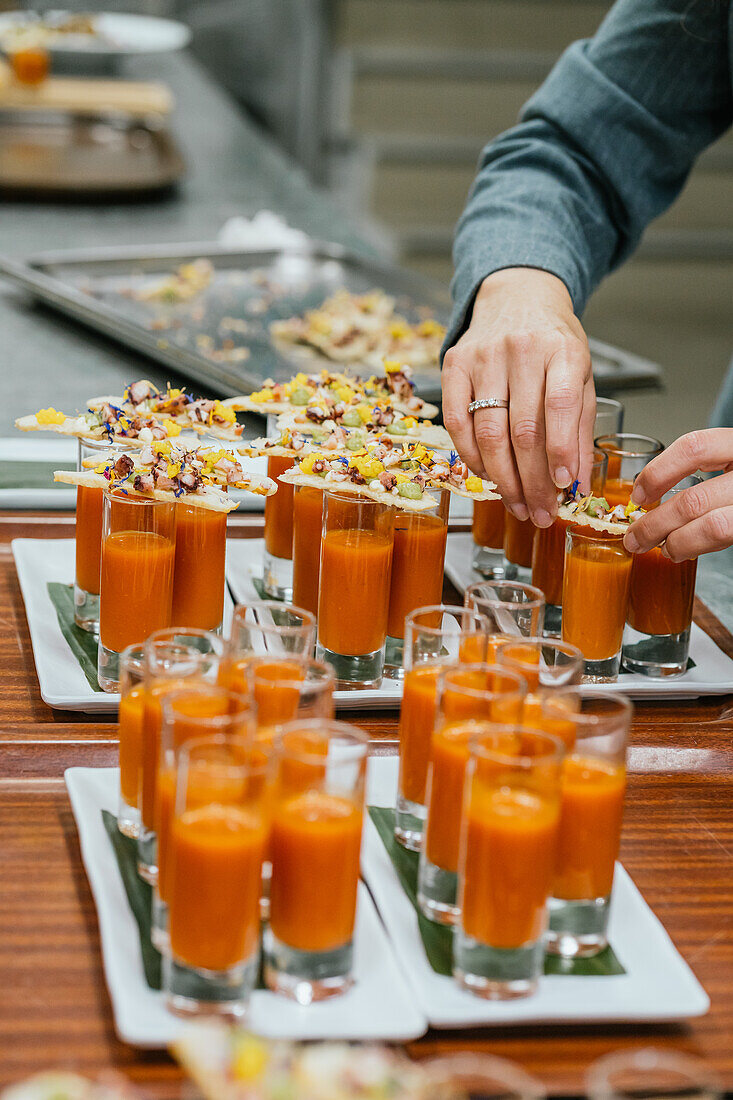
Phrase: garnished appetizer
(592, 511)
(231, 1064)
(108, 421)
(198, 414)
(180, 286)
(379, 418)
(363, 328)
(164, 472)
(330, 390)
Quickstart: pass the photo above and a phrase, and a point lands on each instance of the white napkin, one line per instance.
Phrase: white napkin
(264, 230)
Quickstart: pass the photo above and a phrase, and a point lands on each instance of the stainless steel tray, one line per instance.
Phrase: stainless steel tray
(98, 287)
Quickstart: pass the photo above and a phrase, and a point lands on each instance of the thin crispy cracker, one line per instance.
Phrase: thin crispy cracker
(297, 477)
(431, 435)
(207, 497)
(610, 526)
(252, 483)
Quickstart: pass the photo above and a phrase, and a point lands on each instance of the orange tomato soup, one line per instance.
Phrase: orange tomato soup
(315, 844)
(198, 571)
(131, 744)
(662, 593)
(275, 690)
(417, 719)
(590, 828)
(88, 538)
(617, 490)
(488, 523)
(215, 879)
(548, 560)
(518, 540)
(595, 597)
(417, 567)
(135, 588)
(355, 581)
(279, 512)
(511, 839)
(307, 524)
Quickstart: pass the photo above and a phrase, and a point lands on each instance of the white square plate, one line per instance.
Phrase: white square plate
(658, 984)
(380, 1006)
(712, 674)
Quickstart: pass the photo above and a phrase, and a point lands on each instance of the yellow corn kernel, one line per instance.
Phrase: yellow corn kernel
(50, 416)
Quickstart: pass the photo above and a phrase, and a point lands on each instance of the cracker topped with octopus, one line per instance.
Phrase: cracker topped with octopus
(107, 422)
(588, 510)
(165, 472)
(376, 419)
(329, 391)
(175, 405)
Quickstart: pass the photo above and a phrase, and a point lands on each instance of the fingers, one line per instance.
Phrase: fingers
(568, 372)
(491, 427)
(526, 414)
(457, 395)
(587, 423)
(709, 449)
(692, 521)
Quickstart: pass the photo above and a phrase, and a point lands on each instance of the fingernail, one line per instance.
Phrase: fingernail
(541, 518)
(631, 542)
(562, 477)
(521, 512)
(638, 496)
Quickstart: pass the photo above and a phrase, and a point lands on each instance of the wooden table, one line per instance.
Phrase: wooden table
(54, 1007)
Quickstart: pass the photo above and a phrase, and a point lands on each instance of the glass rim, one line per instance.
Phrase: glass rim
(485, 1067)
(481, 693)
(158, 637)
(695, 479)
(620, 450)
(311, 663)
(539, 642)
(444, 609)
(609, 401)
(585, 531)
(647, 1060)
(244, 766)
(133, 655)
(109, 492)
(602, 457)
(355, 498)
(358, 737)
(619, 703)
(556, 749)
(241, 609)
(168, 705)
(538, 597)
(103, 444)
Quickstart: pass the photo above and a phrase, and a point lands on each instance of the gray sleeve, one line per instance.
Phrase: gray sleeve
(604, 146)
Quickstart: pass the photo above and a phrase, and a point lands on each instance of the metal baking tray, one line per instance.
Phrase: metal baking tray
(58, 155)
(198, 338)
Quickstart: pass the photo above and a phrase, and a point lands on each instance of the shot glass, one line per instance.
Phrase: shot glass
(482, 1075)
(268, 628)
(217, 842)
(546, 666)
(315, 842)
(194, 713)
(198, 569)
(595, 599)
(89, 539)
(628, 454)
(508, 607)
(435, 638)
(356, 565)
(136, 579)
(507, 860)
(132, 702)
(609, 417)
(518, 541)
(418, 562)
(466, 695)
(291, 687)
(548, 552)
(487, 529)
(657, 634)
(591, 811)
(307, 525)
(651, 1074)
(277, 577)
(174, 658)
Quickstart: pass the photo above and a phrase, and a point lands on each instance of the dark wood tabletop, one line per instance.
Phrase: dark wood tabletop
(54, 1008)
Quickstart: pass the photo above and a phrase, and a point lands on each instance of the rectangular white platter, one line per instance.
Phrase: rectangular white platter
(62, 683)
(658, 984)
(380, 1006)
(712, 674)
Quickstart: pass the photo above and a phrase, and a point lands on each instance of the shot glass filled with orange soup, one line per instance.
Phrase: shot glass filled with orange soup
(435, 638)
(277, 575)
(136, 579)
(307, 524)
(548, 552)
(418, 561)
(88, 533)
(357, 544)
(628, 454)
(507, 861)
(661, 598)
(518, 542)
(466, 694)
(132, 701)
(591, 813)
(174, 658)
(487, 529)
(198, 569)
(315, 844)
(217, 841)
(595, 598)
(201, 710)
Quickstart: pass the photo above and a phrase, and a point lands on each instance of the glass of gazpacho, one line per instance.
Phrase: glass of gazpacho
(487, 529)
(596, 587)
(89, 538)
(277, 576)
(132, 700)
(628, 454)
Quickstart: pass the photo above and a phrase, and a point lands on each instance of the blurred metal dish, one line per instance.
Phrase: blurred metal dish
(112, 34)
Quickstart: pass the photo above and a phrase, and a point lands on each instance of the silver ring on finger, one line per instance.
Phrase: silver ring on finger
(489, 403)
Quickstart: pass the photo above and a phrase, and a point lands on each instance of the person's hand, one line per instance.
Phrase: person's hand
(524, 344)
(694, 521)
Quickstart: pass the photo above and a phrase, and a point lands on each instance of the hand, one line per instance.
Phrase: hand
(524, 343)
(694, 521)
